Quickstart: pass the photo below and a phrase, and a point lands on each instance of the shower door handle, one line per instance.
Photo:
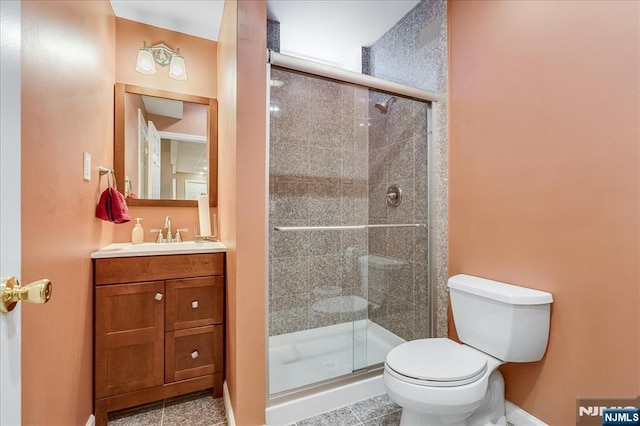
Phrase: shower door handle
(348, 227)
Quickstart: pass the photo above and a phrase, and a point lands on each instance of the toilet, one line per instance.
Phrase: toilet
(440, 382)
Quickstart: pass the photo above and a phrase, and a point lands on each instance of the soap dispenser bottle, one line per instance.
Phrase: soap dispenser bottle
(137, 233)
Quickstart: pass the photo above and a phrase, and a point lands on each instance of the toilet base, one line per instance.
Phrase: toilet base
(491, 411)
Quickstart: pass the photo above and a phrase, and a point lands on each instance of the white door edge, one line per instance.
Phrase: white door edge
(10, 94)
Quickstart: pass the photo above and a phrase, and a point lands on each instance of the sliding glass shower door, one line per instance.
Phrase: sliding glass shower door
(347, 227)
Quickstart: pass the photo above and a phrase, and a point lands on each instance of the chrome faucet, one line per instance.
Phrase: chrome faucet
(167, 224)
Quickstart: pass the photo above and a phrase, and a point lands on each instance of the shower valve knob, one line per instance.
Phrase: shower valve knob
(394, 196)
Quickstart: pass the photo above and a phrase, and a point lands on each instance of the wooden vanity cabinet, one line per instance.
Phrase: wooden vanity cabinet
(159, 329)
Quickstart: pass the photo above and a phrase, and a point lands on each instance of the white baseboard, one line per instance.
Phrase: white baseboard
(518, 417)
(91, 421)
(227, 405)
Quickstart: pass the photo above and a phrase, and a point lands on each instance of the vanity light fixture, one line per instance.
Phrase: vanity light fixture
(162, 54)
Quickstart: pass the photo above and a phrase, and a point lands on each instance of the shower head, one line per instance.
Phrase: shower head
(383, 107)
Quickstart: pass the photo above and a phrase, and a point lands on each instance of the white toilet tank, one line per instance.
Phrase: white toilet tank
(509, 322)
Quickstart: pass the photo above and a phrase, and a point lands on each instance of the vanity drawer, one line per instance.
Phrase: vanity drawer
(193, 352)
(194, 302)
(147, 268)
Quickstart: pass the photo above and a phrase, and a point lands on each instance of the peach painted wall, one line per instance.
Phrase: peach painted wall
(68, 62)
(200, 56)
(251, 212)
(201, 60)
(153, 217)
(227, 136)
(242, 89)
(545, 182)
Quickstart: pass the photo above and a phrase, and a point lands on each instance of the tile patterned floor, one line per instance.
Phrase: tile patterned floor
(200, 409)
(196, 409)
(377, 411)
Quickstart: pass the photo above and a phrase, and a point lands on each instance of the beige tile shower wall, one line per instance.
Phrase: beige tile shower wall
(403, 56)
(398, 261)
(318, 176)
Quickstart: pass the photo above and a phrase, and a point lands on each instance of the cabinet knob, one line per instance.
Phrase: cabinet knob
(158, 296)
(194, 354)
(194, 304)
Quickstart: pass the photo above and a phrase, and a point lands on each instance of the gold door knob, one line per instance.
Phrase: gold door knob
(11, 292)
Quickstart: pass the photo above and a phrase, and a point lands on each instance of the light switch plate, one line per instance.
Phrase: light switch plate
(86, 161)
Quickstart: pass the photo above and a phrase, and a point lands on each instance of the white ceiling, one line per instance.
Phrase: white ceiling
(329, 31)
(161, 106)
(200, 18)
(191, 157)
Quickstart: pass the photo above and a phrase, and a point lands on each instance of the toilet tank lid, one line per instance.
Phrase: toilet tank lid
(507, 293)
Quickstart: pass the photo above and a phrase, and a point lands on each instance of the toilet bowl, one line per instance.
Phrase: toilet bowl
(441, 382)
(448, 387)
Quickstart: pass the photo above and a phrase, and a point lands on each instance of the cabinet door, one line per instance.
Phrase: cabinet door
(129, 337)
(194, 302)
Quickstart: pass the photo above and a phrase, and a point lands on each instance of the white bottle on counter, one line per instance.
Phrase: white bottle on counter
(137, 233)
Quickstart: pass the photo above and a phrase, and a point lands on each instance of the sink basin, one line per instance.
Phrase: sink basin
(158, 249)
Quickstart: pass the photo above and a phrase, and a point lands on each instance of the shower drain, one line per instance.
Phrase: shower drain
(330, 364)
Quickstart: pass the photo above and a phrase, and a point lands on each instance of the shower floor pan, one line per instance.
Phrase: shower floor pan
(310, 356)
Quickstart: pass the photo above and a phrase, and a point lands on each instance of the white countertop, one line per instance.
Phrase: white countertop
(158, 249)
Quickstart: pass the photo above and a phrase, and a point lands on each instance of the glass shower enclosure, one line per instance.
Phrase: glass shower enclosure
(348, 227)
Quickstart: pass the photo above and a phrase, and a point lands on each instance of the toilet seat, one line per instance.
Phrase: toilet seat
(436, 362)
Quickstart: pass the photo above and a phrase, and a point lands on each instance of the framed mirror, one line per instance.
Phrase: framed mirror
(166, 147)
